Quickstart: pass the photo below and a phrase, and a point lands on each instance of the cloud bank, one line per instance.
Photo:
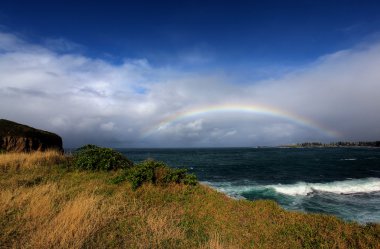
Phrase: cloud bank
(90, 100)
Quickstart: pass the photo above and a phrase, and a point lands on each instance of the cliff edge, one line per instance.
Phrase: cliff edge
(15, 137)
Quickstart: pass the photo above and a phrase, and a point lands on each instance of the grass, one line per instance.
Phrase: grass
(45, 203)
(14, 161)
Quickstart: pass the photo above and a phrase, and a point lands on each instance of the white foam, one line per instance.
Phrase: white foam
(350, 186)
(231, 189)
(366, 185)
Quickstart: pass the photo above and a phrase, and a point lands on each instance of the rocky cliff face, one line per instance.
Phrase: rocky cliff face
(21, 138)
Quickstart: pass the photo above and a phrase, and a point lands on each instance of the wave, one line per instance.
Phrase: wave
(232, 189)
(351, 186)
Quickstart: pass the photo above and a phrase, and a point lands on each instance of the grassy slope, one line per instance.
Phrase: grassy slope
(43, 204)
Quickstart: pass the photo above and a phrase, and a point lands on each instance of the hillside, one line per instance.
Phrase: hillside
(22, 138)
(46, 203)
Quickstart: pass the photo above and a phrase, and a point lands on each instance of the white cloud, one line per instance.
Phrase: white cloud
(109, 126)
(93, 101)
(195, 126)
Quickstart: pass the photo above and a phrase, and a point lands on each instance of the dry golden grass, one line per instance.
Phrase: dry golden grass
(71, 226)
(16, 160)
(214, 242)
(56, 207)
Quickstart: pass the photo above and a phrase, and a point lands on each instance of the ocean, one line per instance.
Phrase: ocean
(344, 182)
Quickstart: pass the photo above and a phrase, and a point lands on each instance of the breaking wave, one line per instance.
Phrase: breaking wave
(351, 186)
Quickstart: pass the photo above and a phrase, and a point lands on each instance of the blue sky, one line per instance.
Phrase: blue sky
(130, 64)
(229, 32)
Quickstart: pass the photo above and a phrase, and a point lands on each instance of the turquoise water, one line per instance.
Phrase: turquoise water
(341, 181)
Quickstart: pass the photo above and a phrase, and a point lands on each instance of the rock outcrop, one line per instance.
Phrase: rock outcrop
(21, 138)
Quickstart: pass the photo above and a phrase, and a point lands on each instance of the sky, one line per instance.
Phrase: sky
(192, 73)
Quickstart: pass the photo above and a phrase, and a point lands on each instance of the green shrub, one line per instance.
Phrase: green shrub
(91, 157)
(158, 173)
(180, 176)
(118, 179)
(190, 179)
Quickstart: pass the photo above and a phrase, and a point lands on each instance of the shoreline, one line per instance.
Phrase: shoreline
(326, 147)
(339, 144)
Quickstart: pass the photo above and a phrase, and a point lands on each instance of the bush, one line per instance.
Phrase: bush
(91, 157)
(158, 173)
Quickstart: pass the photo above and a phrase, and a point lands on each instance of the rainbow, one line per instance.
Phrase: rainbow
(238, 108)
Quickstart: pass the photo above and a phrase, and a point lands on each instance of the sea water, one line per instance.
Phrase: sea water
(341, 181)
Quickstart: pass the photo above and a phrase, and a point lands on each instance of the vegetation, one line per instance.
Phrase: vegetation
(18, 161)
(157, 173)
(45, 202)
(91, 157)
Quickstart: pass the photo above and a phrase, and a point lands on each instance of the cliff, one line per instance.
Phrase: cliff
(21, 138)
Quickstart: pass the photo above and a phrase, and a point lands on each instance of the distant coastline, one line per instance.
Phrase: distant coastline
(364, 144)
